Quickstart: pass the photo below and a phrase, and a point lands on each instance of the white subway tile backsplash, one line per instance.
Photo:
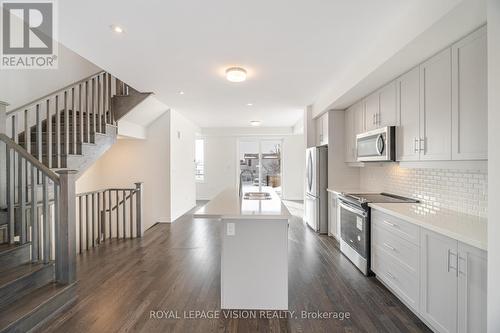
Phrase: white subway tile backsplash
(465, 191)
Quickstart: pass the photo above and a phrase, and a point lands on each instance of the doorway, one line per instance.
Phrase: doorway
(260, 160)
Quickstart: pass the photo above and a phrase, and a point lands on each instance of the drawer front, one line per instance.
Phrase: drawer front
(402, 250)
(403, 283)
(403, 229)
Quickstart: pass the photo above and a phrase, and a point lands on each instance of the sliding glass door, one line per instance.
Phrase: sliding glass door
(260, 163)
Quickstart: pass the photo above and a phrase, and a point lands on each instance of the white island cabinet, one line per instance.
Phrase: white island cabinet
(254, 255)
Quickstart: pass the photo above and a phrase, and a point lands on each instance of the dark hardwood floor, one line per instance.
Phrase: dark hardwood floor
(176, 268)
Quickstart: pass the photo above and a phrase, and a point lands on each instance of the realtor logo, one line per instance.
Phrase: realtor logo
(28, 35)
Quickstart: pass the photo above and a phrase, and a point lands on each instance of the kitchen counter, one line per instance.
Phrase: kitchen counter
(341, 189)
(469, 229)
(254, 253)
(229, 205)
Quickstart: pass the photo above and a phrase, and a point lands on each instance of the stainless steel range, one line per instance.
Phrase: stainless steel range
(355, 225)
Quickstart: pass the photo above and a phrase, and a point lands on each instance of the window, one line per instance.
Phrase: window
(199, 160)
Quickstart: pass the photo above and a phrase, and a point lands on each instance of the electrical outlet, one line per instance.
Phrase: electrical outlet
(231, 229)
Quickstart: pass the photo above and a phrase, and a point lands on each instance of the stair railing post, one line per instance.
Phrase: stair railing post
(138, 210)
(66, 228)
(3, 155)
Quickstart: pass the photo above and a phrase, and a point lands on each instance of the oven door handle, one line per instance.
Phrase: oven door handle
(352, 209)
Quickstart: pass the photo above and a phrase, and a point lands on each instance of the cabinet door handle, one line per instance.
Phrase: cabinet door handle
(389, 247)
(422, 144)
(389, 223)
(463, 272)
(373, 119)
(378, 118)
(450, 253)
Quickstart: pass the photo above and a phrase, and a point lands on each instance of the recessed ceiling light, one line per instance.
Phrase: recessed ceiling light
(249, 104)
(236, 74)
(181, 92)
(117, 29)
(255, 123)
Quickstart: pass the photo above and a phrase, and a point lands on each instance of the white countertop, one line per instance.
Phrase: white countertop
(229, 205)
(343, 189)
(468, 229)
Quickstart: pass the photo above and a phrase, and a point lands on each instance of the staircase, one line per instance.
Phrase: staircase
(45, 146)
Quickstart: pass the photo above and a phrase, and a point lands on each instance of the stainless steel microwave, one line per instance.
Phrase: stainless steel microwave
(377, 146)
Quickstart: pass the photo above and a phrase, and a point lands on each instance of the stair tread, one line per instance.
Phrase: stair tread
(26, 304)
(5, 248)
(20, 271)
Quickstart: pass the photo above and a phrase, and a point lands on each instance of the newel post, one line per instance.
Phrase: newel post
(66, 228)
(138, 201)
(3, 155)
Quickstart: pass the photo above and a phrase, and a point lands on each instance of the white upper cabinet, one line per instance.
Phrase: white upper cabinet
(435, 107)
(472, 294)
(372, 111)
(322, 130)
(408, 133)
(349, 135)
(359, 119)
(387, 101)
(470, 110)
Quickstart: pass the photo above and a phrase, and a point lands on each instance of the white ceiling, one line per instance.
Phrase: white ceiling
(292, 49)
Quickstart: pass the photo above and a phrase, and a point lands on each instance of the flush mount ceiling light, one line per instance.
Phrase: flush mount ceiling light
(249, 104)
(117, 29)
(255, 123)
(236, 74)
(181, 92)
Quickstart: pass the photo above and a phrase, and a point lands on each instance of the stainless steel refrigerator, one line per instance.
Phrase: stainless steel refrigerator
(316, 197)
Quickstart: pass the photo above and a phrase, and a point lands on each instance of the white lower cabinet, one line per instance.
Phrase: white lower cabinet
(439, 283)
(472, 272)
(439, 278)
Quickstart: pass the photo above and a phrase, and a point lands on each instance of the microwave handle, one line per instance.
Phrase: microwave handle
(377, 146)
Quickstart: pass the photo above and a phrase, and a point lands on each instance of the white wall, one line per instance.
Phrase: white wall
(130, 161)
(221, 168)
(182, 168)
(493, 164)
(18, 87)
(294, 153)
(339, 174)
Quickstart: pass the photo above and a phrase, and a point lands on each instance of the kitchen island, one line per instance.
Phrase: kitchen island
(254, 254)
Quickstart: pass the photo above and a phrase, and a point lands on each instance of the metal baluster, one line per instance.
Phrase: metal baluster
(48, 139)
(98, 217)
(33, 216)
(124, 215)
(80, 126)
(66, 126)
(87, 219)
(38, 141)
(10, 191)
(87, 110)
(131, 214)
(99, 125)
(93, 220)
(80, 223)
(58, 134)
(57, 216)
(105, 98)
(46, 220)
(103, 215)
(22, 196)
(73, 115)
(93, 109)
(110, 121)
(109, 216)
(117, 215)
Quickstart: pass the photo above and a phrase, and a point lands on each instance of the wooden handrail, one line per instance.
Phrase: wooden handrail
(33, 102)
(104, 190)
(30, 158)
